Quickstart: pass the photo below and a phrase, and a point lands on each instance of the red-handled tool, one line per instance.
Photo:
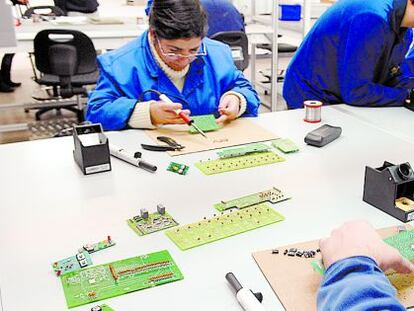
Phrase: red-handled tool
(183, 116)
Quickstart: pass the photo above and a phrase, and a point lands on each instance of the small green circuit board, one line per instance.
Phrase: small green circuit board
(403, 242)
(223, 226)
(285, 145)
(103, 307)
(207, 123)
(118, 278)
(96, 247)
(318, 267)
(273, 196)
(67, 265)
(155, 222)
(242, 151)
(178, 168)
(211, 167)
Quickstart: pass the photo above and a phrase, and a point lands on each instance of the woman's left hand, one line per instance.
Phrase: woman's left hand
(229, 108)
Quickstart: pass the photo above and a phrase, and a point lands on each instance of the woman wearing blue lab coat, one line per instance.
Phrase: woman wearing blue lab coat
(355, 54)
(173, 58)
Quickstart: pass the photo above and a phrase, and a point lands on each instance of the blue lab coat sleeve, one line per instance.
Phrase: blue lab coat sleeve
(357, 284)
(406, 78)
(108, 104)
(357, 65)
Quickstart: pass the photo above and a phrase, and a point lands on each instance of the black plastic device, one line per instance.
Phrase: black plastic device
(323, 135)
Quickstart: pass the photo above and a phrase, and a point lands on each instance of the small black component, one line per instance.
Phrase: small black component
(137, 155)
(323, 135)
(291, 254)
(285, 252)
(294, 250)
(299, 253)
(275, 251)
(96, 308)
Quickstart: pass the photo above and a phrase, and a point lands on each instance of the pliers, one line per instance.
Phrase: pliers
(172, 145)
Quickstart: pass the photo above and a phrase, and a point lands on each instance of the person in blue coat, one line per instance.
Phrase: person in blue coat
(175, 59)
(356, 258)
(355, 54)
(222, 16)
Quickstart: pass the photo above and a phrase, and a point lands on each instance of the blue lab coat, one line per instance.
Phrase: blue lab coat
(222, 16)
(356, 283)
(127, 72)
(354, 54)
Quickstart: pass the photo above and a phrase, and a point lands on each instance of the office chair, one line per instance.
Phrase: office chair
(44, 10)
(66, 60)
(238, 42)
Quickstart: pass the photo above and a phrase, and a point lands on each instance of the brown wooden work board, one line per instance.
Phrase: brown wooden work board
(295, 282)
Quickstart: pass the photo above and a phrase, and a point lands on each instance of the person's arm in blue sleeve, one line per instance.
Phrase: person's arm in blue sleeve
(107, 105)
(406, 77)
(357, 283)
(355, 257)
(359, 63)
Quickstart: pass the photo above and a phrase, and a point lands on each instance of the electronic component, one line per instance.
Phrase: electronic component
(323, 135)
(148, 223)
(248, 149)
(207, 123)
(180, 169)
(273, 196)
(95, 247)
(79, 261)
(132, 274)
(285, 145)
(103, 307)
(403, 242)
(218, 166)
(223, 226)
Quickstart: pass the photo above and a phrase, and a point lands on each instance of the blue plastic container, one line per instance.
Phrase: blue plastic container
(289, 12)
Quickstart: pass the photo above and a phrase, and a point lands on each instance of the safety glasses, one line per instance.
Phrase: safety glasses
(177, 56)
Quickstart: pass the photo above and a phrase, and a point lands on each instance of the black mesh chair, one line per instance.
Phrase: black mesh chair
(66, 60)
(239, 44)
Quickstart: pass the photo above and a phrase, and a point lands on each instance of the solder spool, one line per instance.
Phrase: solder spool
(313, 110)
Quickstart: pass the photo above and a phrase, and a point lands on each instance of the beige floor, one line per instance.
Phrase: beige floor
(22, 72)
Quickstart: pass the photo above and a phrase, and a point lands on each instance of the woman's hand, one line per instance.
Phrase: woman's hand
(163, 113)
(229, 109)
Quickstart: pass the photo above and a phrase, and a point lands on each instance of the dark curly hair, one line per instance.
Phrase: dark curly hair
(176, 19)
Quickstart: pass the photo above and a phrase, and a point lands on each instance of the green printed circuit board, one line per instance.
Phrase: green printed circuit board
(207, 123)
(149, 223)
(118, 278)
(242, 151)
(403, 242)
(273, 196)
(218, 166)
(223, 226)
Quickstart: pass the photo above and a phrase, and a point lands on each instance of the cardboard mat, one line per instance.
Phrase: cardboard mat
(295, 282)
(239, 132)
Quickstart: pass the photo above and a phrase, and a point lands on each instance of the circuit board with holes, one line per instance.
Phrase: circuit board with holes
(118, 278)
(403, 242)
(79, 261)
(223, 226)
(153, 223)
(285, 145)
(207, 123)
(273, 196)
(211, 167)
(241, 151)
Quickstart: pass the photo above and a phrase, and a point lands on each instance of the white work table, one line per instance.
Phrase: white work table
(49, 209)
(398, 121)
